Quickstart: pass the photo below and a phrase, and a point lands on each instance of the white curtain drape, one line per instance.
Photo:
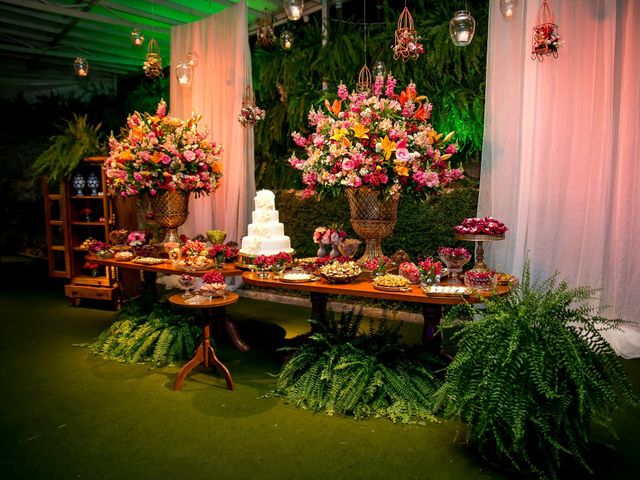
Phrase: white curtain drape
(561, 157)
(223, 73)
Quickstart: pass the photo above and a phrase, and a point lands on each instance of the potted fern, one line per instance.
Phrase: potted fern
(78, 140)
(531, 372)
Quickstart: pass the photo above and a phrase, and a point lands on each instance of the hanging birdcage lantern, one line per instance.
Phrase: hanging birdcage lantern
(153, 64)
(184, 74)
(137, 37)
(81, 66)
(193, 59)
(546, 40)
(363, 84)
(265, 37)
(461, 28)
(407, 42)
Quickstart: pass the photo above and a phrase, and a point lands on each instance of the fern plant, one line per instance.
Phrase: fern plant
(340, 370)
(157, 337)
(78, 140)
(531, 372)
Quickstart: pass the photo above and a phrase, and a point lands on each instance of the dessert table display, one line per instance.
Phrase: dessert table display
(432, 300)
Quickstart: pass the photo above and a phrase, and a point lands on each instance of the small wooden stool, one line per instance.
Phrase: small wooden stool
(205, 354)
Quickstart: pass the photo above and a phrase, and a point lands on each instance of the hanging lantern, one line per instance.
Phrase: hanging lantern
(546, 40)
(363, 84)
(293, 8)
(265, 36)
(250, 113)
(461, 28)
(407, 42)
(81, 66)
(137, 37)
(508, 7)
(286, 39)
(153, 65)
(379, 69)
(193, 59)
(184, 74)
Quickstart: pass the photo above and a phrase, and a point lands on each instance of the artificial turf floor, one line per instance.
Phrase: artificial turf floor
(66, 413)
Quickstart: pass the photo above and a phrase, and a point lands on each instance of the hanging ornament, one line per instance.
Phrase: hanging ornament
(193, 59)
(461, 28)
(508, 7)
(293, 8)
(379, 69)
(184, 74)
(265, 36)
(250, 113)
(546, 40)
(363, 84)
(137, 37)
(286, 40)
(153, 64)
(81, 66)
(407, 42)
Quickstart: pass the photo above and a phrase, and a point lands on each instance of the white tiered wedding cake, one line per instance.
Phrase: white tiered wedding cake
(265, 233)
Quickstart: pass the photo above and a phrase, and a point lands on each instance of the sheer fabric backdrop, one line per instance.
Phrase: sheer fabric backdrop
(561, 157)
(220, 79)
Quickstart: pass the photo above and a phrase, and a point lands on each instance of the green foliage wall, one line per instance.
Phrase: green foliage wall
(421, 227)
(452, 77)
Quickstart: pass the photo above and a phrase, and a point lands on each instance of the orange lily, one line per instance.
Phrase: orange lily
(360, 131)
(335, 107)
(421, 113)
(402, 169)
(126, 155)
(388, 147)
(157, 157)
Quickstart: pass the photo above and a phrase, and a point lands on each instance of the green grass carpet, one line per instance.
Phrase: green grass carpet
(66, 414)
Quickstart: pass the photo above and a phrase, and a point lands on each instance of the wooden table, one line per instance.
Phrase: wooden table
(212, 310)
(150, 274)
(432, 304)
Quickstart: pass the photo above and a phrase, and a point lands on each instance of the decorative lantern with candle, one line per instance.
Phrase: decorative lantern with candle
(184, 74)
(81, 66)
(286, 40)
(193, 59)
(461, 28)
(293, 8)
(507, 7)
(137, 37)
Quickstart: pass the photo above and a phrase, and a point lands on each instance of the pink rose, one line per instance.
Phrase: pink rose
(402, 154)
(189, 156)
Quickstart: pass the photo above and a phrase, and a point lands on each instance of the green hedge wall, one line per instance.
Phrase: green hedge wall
(422, 227)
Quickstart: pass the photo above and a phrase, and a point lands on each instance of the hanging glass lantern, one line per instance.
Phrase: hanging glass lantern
(508, 7)
(293, 8)
(193, 59)
(81, 66)
(286, 39)
(461, 28)
(379, 69)
(184, 74)
(137, 37)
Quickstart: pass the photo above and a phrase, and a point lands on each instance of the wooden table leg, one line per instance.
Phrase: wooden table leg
(232, 330)
(150, 283)
(431, 335)
(206, 355)
(318, 308)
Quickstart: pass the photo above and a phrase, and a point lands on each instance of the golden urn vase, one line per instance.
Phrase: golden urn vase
(170, 210)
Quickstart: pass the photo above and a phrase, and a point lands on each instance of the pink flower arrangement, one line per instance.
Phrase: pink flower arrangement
(136, 238)
(251, 114)
(97, 246)
(161, 152)
(282, 258)
(410, 271)
(264, 261)
(377, 265)
(328, 236)
(482, 279)
(429, 269)
(214, 276)
(454, 252)
(383, 141)
(481, 226)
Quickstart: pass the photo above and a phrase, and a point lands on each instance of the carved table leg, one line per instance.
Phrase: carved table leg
(431, 336)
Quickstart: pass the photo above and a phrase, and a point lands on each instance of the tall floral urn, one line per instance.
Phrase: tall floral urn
(170, 209)
(373, 217)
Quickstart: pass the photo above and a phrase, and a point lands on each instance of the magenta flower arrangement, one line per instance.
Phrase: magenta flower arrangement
(264, 261)
(377, 265)
(214, 276)
(481, 226)
(160, 152)
(454, 252)
(136, 238)
(328, 236)
(410, 271)
(429, 269)
(382, 140)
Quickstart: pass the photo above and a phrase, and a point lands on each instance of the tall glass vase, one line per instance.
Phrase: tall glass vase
(170, 209)
(373, 218)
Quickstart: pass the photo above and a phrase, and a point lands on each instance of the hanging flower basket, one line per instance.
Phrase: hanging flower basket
(407, 42)
(545, 41)
(250, 113)
(265, 36)
(153, 64)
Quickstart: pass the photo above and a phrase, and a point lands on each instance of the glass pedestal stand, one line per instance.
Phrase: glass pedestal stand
(479, 250)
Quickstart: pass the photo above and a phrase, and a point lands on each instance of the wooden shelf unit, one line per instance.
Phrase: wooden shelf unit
(71, 217)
